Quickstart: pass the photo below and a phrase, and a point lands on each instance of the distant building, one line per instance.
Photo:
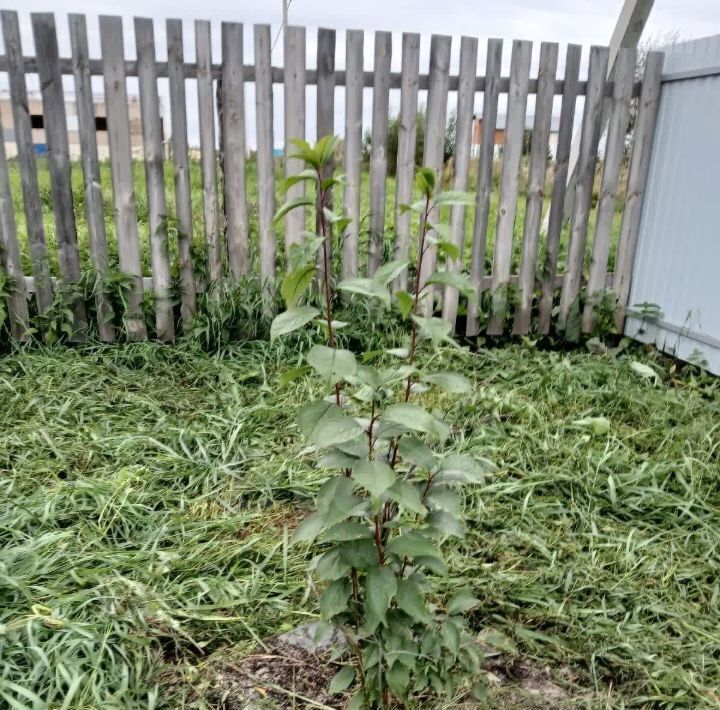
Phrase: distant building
(38, 130)
(500, 134)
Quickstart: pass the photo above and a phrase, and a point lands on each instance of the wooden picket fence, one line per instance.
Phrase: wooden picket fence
(226, 228)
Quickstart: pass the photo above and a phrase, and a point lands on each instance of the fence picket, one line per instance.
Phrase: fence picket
(26, 160)
(407, 138)
(181, 170)
(509, 181)
(155, 177)
(118, 124)
(233, 133)
(353, 150)
(434, 148)
(587, 157)
(10, 257)
(378, 150)
(637, 177)
(614, 152)
(265, 164)
(484, 186)
(208, 158)
(557, 204)
(92, 189)
(295, 74)
(537, 172)
(461, 162)
(56, 138)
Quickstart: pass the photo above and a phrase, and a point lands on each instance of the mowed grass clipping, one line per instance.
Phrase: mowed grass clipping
(147, 496)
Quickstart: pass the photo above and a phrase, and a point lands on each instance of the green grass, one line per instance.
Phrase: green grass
(147, 494)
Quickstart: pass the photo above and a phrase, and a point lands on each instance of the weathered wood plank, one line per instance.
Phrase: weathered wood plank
(10, 257)
(154, 177)
(557, 204)
(233, 131)
(378, 150)
(265, 164)
(26, 160)
(461, 162)
(325, 123)
(56, 137)
(434, 148)
(509, 181)
(407, 139)
(637, 178)
(294, 99)
(353, 150)
(537, 172)
(92, 188)
(589, 139)
(208, 157)
(183, 189)
(609, 186)
(126, 228)
(486, 159)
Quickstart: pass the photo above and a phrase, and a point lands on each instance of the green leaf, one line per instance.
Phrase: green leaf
(303, 201)
(305, 175)
(407, 495)
(398, 679)
(445, 524)
(411, 600)
(451, 636)
(308, 529)
(347, 531)
(433, 564)
(448, 248)
(324, 424)
(325, 148)
(374, 476)
(461, 602)
(334, 600)
(435, 329)
(305, 152)
(599, 425)
(329, 566)
(443, 498)
(360, 554)
(413, 544)
(455, 280)
(295, 284)
(454, 197)
(293, 374)
(645, 371)
(342, 680)
(291, 320)
(332, 364)
(390, 271)
(366, 287)
(337, 459)
(405, 303)
(425, 181)
(452, 382)
(415, 418)
(336, 502)
(416, 452)
(380, 588)
(460, 468)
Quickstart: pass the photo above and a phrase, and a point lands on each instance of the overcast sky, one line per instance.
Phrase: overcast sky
(583, 22)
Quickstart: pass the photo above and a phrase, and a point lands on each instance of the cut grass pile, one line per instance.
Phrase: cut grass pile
(147, 496)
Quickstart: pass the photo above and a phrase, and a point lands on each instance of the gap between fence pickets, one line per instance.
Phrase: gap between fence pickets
(311, 76)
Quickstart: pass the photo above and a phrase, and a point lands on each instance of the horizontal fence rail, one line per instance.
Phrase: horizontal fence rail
(217, 230)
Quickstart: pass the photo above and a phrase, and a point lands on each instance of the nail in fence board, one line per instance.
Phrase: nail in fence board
(434, 148)
(461, 163)
(181, 171)
(92, 188)
(537, 172)
(116, 105)
(233, 132)
(10, 257)
(26, 161)
(557, 204)
(265, 163)
(612, 162)
(208, 158)
(353, 150)
(294, 50)
(509, 182)
(484, 186)
(407, 138)
(154, 177)
(589, 139)
(378, 150)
